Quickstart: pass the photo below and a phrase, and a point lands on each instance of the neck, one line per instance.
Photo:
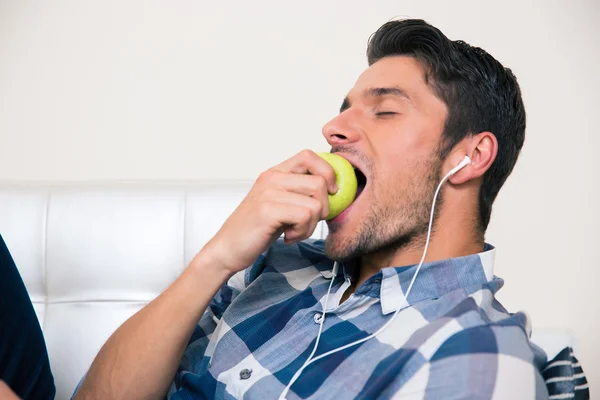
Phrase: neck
(454, 234)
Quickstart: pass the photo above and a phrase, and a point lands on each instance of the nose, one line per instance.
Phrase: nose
(342, 130)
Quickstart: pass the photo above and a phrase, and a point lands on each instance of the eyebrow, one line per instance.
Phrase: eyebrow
(378, 92)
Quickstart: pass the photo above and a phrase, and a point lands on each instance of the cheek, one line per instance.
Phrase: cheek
(414, 137)
(401, 179)
(397, 166)
(392, 183)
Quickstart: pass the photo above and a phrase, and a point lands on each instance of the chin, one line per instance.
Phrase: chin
(344, 235)
(339, 247)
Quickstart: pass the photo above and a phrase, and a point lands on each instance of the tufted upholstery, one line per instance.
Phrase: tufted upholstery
(91, 256)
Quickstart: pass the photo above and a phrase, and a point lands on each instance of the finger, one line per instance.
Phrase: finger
(298, 222)
(319, 206)
(308, 162)
(308, 185)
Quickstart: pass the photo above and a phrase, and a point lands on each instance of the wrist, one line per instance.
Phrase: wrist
(208, 261)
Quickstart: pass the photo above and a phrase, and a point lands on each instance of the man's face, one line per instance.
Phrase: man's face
(389, 128)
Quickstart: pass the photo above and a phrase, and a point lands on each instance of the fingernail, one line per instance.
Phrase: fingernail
(335, 188)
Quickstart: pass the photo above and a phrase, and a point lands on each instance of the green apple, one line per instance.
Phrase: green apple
(346, 182)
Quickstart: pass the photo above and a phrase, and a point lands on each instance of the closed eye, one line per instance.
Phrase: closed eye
(379, 114)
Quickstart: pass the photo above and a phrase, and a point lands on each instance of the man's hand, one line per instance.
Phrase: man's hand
(289, 198)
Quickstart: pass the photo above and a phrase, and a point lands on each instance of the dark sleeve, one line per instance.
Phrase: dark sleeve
(565, 378)
(24, 363)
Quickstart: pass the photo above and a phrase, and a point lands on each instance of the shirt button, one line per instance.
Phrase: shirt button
(318, 317)
(245, 373)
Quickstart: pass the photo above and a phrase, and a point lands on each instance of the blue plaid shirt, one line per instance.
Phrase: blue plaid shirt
(452, 339)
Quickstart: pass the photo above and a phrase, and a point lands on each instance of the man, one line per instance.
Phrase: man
(424, 103)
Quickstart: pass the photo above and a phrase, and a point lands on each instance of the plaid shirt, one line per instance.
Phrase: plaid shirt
(452, 339)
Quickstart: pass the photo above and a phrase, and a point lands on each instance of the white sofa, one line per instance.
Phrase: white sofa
(92, 255)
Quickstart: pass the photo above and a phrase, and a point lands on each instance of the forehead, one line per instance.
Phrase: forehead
(403, 72)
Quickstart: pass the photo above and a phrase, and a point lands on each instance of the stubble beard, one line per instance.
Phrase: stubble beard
(400, 222)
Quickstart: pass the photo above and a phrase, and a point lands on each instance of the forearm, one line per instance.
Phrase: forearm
(140, 359)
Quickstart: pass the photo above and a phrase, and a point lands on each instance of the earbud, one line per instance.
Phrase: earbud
(466, 161)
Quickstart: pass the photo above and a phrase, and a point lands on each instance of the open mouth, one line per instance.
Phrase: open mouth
(361, 180)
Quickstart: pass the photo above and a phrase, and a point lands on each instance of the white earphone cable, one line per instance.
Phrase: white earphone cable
(297, 374)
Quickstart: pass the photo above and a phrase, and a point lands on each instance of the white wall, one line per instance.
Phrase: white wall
(198, 90)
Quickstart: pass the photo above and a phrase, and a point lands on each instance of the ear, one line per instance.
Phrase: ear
(482, 148)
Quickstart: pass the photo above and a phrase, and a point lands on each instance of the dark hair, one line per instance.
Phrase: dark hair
(481, 95)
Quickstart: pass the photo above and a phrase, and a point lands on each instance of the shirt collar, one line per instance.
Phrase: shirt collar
(435, 279)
